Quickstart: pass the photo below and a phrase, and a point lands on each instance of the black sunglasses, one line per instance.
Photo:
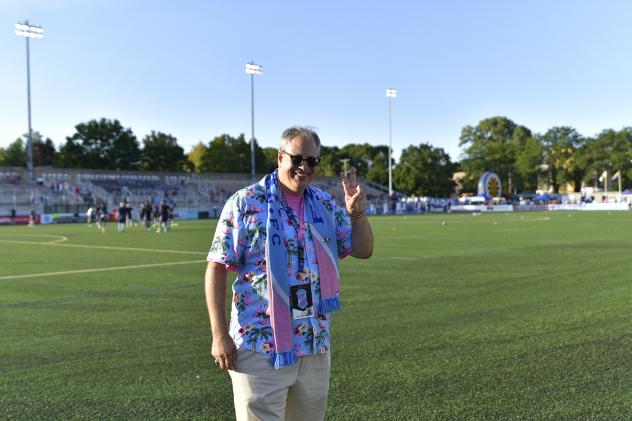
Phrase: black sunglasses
(297, 160)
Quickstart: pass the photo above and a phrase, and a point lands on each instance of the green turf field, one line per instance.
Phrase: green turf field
(512, 316)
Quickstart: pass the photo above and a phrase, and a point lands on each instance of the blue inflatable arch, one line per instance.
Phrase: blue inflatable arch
(489, 185)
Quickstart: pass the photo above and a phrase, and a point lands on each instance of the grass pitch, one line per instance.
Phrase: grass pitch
(508, 316)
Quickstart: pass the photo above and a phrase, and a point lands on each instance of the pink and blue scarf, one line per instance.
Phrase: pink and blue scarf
(321, 226)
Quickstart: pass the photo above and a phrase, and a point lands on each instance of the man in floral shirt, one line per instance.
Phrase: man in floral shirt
(283, 238)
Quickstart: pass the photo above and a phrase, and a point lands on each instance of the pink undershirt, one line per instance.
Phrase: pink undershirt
(296, 203)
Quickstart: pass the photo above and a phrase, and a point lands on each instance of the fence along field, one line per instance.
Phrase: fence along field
(455, 316)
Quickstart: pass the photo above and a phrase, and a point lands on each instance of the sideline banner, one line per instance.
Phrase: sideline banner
(62, 218)
(482, 208)
(18, 220)
(621, 206)
(47, 218)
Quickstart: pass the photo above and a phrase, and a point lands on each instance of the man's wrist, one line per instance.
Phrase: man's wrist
(357, 215)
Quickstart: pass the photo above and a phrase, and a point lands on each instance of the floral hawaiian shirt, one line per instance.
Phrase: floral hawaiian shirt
(239, 243)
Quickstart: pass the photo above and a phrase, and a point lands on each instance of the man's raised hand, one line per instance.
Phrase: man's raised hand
(355, 198)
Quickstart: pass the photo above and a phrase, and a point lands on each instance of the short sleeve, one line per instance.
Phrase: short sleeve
(226, 245)
(343, 230)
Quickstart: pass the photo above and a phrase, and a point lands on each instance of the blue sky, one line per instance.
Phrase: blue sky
(178, 67)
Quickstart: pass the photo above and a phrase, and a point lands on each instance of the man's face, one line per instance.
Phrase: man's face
(296, 178)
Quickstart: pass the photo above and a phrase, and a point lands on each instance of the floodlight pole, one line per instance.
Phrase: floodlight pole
(390, 94)
(345, 162)
(29, 31)
(253, 69)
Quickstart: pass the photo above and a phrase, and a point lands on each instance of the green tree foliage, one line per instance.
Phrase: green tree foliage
(43, 152)
(378, 172)
(195, 156)
(330, 164)
(161, 152)
(492, 145)
(271, 160)
(227, 154)
(102, 144)
(424, 171)
(14, 155)
(528, 163)
(609, 151)
(561, 147)
(360, 157)
(370, 162)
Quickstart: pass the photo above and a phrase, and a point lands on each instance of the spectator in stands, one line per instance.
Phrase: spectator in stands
(284, 238)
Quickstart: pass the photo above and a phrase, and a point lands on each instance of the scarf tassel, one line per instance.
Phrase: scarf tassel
(329, 305)
(282, 359)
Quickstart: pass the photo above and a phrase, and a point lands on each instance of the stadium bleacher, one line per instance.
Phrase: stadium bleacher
(74, 191)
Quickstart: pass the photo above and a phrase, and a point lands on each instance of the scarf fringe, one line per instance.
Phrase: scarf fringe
(329, 305)
(282, 359)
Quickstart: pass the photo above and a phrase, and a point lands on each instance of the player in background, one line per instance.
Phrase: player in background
(121, 216)
(128, 215)
(32, 217)
(147, 214)
(90, 215)
(163, 222)
(103, 216)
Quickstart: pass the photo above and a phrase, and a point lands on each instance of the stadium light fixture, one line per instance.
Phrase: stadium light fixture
(390, 94)
(29, 31)
(253, 69)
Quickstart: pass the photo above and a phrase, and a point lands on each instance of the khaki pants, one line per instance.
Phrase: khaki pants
(298, 392)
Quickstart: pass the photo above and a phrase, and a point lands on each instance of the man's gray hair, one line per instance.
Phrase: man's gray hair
(299, 131)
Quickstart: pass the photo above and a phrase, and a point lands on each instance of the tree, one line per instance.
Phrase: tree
(330, 164)
(14, 155)
(378, 172)
(492, 145)
(369, 161)
(71, 155)
(609, 151)
(161, 152)
(360, 157)
(560, 146)
(424, 171)
(196, 156)
(43, 152)
(270, 160)
(231, 154)
(102, 144)
(528, 163)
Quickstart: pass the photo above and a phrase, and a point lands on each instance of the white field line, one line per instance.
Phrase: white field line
(103, 247)
(71, 272)
(59, 238)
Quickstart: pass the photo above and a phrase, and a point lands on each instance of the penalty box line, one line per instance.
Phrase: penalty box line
(72, 272)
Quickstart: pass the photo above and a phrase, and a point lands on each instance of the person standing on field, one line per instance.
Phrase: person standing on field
(32, 216)
(121, 216)
(283, 238)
